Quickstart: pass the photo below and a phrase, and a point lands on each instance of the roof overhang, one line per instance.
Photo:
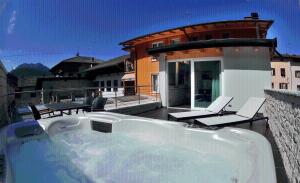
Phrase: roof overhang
(265, 23)
(215, 43)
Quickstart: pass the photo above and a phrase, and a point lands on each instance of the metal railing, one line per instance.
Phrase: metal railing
(117, 97)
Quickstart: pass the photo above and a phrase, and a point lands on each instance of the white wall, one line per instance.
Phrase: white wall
(111, 77)
(295, 66)
(246, 74)
(163, 79)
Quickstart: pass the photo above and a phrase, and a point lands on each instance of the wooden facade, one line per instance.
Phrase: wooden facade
(146, 65)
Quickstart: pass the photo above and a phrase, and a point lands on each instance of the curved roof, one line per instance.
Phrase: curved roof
(78, 59)
(268, 23)
(233, 42)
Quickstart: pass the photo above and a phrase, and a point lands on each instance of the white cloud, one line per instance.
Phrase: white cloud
(12, 22)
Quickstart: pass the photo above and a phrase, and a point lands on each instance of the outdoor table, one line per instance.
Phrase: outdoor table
(68, 106)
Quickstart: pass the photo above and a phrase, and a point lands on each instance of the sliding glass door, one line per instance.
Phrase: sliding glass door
(205, 83)
(179, 84)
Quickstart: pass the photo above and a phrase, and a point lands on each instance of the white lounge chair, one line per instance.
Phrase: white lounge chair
(245, 114)
(213, 109)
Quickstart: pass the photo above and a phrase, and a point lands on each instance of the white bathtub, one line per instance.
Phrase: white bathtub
(137, 150)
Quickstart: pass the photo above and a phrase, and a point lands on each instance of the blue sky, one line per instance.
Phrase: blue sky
(48, 31)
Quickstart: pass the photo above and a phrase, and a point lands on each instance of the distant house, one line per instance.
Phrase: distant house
(68, 75)
(3, 95)
(286, 72)
(108, 77)
(26, 93)
(12, 87)
(192, 65)
(74, 66)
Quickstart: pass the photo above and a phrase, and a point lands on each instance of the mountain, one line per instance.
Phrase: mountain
(29, 70)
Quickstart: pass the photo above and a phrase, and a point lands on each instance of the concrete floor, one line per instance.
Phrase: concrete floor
(258, 126)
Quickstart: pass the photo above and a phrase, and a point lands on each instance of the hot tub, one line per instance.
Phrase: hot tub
(109, 147)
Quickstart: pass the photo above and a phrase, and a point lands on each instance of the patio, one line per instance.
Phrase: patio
(258, 126)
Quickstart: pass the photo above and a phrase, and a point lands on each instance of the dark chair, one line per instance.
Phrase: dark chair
(35, 112)
(98, 104)
(88, 101)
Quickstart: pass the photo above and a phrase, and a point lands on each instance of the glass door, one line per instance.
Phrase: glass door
(179, 84)
(206, 83)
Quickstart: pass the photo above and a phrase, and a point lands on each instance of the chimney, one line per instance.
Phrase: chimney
(254, 16)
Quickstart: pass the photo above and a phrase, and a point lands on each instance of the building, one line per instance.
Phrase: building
(74, 66)
(3, 95)
(25, 92)
(109, 76)
(194, 64)
(286, 72)
(69, 79)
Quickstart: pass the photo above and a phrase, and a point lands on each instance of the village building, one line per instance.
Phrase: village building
(3, 95)
(108, 76)
(194, 64)
(286, 72)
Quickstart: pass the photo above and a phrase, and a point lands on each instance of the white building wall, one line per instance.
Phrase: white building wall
(247, 72)
(295, 66)
(111, 77)
(163, 79)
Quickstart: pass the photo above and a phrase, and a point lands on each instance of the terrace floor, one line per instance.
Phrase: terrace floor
(258, 126)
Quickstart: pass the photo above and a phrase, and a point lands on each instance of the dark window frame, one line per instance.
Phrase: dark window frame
(282, 72)
(297, 74)
(273, 71)
(208, 36)
(225, 35)
(115, 85)
(283, 86)
(108, 85)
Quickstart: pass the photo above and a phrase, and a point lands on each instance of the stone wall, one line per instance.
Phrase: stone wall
(283, 109)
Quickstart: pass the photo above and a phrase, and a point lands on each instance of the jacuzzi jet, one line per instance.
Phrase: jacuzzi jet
(100, 126)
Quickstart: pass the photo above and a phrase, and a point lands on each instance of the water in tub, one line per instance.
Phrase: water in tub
(88, 156)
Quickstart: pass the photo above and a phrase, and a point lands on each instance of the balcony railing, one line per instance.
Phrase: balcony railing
(16, 104)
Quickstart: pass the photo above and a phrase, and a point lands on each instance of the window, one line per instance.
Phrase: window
(122, 84)
(297, 74)
(178, 73)
(154, 58)
(273, 72)
(272, 85)
(298, 87)
(208, 36)
(102, 85)
(282, 72)
(33, 95)
(108, 85)
(225, 35)
(129, 65)
(283, 86)
(175, 41)
(157, 44)
(155, 81)
(115, 85)
(194, 38)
